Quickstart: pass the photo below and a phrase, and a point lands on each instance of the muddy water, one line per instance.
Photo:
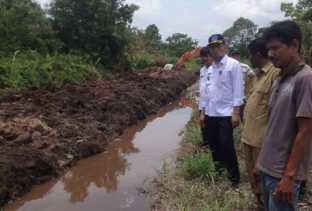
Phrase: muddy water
(116, 179)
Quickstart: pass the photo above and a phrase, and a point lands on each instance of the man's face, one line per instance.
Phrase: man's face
(207, 60)
(281, 54)
(217, 51)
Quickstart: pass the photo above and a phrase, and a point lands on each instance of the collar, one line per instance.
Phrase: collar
(266, 67)
(222, 61)
(292, 69)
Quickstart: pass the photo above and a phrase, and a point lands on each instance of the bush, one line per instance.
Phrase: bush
(33, 70)
(194, 134)
(193, 65)
(199, 165)
(141, 60)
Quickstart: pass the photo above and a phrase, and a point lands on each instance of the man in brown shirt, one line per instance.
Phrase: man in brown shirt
(257, 109)
(286, 150)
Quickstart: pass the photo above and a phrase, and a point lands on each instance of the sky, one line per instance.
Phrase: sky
(201, 18)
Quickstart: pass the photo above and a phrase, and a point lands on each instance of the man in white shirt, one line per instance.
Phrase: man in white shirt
(248, 76)
(235, 54)
(207, 60)
(224, 95)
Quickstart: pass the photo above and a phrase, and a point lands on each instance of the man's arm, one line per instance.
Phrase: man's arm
(302, 145)
(187, 56)
(303, 139)
(300, 148)
(238, 93)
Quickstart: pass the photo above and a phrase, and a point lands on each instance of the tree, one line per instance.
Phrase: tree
(240, 34)
(96, 27)
(178, 43)
(24, 26)
(302, 14)
(152, 38)
(241, 27)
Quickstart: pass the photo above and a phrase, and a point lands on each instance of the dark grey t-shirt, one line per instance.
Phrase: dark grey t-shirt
(291, 98)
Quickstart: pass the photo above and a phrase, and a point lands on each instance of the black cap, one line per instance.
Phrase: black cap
(216, 39)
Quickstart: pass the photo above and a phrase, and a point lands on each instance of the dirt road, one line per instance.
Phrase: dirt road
(44, 132)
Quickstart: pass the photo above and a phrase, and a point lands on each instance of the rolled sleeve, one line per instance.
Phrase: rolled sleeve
(238, 86)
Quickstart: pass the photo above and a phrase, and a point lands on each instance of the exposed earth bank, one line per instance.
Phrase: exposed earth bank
(43, 132)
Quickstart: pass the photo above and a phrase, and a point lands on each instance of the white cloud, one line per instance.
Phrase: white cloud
(147, 7)
(201, 18)
(260, 10)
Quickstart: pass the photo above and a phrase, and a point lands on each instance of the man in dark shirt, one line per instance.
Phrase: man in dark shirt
(285, 154)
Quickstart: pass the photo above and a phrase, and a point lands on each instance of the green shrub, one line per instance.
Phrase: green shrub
(193, 65)
(141, 60)
(199, 165)
(33, 70)
(194, 134)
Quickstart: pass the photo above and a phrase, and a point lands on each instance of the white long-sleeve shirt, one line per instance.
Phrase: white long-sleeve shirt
(222, 88)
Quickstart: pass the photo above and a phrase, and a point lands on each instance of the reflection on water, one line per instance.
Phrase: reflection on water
(110, 181)
(102, 171)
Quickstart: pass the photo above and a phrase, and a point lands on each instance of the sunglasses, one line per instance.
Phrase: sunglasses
(215, 45)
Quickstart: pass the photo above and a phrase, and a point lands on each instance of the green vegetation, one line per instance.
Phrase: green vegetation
(33, 70)
(199, 165)
(302, 14)
(193, 184)
(97, 28)
(240, 34)
(180, 43)
(147, 49)
(24, 26)
(193, 65)
(75, 40)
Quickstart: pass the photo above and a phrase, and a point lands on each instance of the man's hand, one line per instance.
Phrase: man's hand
(255, 177)
(285, 189)
(202, 119)
(236, 120)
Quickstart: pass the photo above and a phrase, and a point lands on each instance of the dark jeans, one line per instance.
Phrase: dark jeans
(271, 203)
(218, 134)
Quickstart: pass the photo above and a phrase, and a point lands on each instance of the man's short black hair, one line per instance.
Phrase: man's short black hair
(284, 31)
(204, 52)
(258, 46)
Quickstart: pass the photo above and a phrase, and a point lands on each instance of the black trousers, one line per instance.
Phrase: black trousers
(218, 134)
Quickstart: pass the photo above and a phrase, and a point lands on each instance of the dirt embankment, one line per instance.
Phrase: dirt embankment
(43, 132)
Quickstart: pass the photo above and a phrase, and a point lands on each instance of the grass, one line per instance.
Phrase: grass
(193, 65)
(199, 165)
(33, 70)
(192, 183)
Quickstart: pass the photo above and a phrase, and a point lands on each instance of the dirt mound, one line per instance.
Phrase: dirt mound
(43, 132)
(20, 167)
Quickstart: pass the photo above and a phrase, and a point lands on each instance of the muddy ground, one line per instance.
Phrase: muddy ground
(44, 132)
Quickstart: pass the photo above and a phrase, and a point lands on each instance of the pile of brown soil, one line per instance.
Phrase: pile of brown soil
(42, 132)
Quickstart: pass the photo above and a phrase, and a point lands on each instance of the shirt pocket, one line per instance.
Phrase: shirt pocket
(263, 92)
(262, 98)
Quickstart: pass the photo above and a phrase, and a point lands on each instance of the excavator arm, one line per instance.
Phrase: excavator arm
(188, 56)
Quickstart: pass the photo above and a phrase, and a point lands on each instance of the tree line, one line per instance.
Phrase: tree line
(100, 29)
(74, 40)
(244, 30)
